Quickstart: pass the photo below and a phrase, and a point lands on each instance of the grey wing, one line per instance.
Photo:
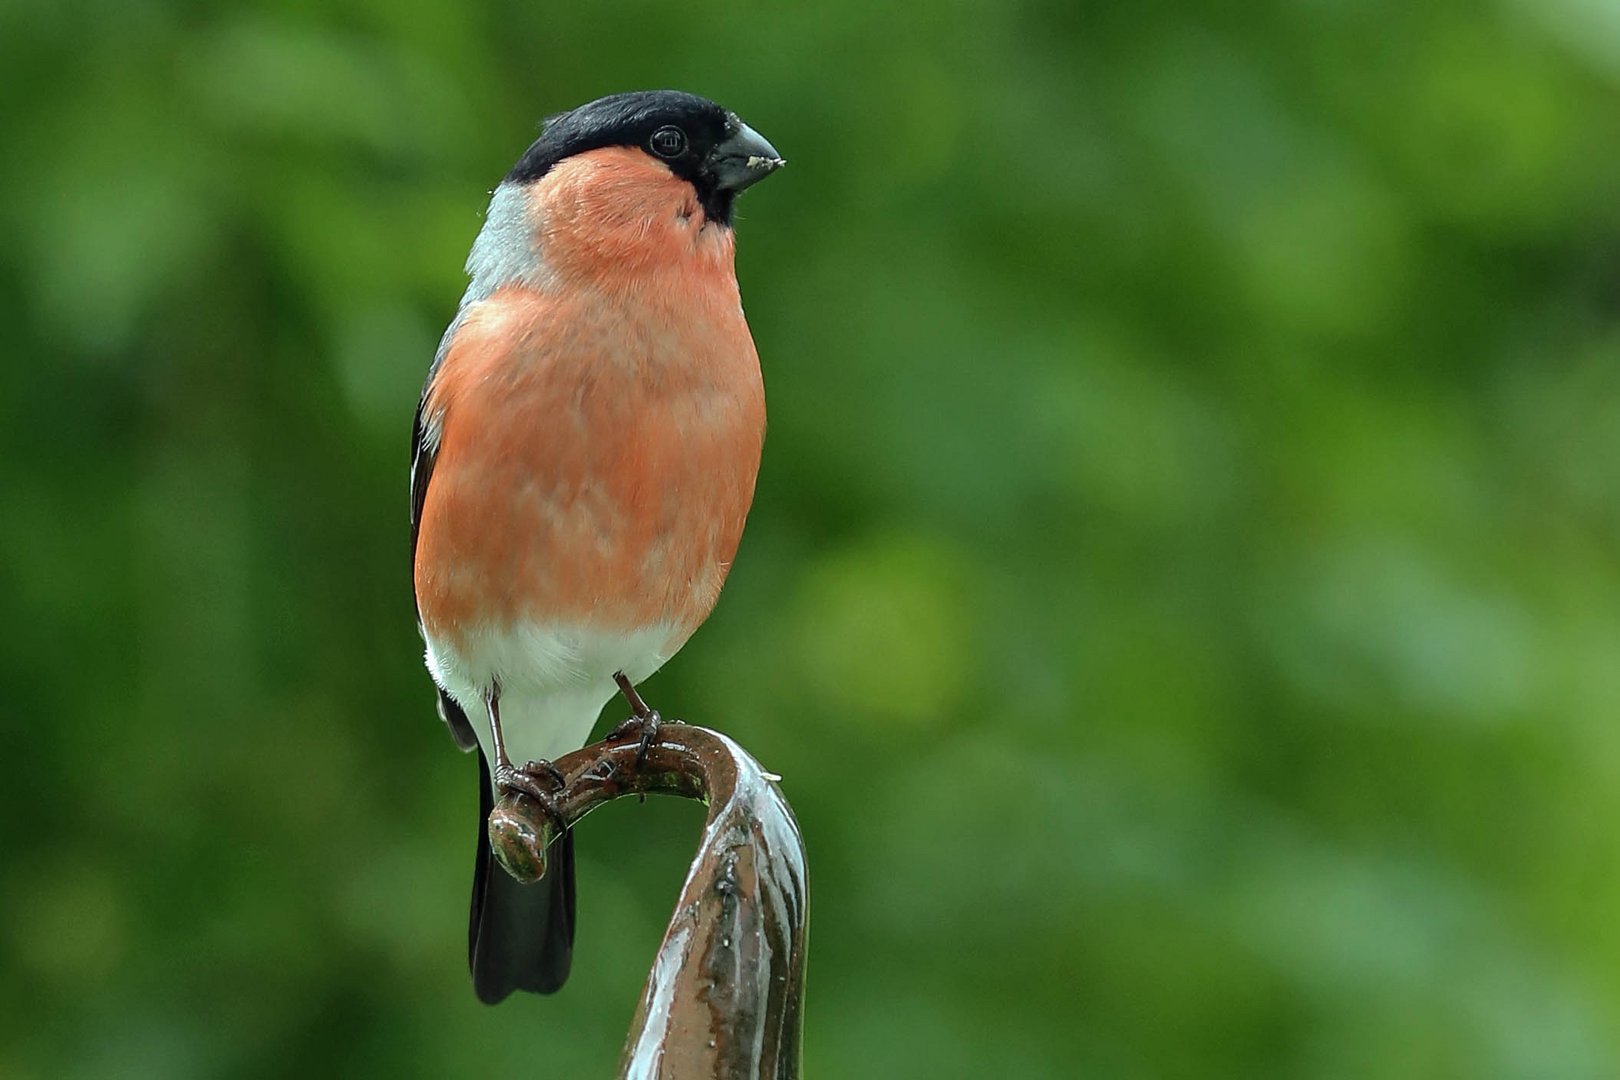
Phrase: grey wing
(422, 459)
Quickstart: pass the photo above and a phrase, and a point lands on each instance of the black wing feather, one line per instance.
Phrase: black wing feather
(422, 459)
(422, 456)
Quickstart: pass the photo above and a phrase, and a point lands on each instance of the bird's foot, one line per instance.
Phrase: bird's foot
(519, 837)
(643, 722)
(539, 780)
(644, 729)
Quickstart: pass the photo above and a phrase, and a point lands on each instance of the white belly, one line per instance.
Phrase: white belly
(553, 680)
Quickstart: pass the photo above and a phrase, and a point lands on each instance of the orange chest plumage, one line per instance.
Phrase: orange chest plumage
(596, 458)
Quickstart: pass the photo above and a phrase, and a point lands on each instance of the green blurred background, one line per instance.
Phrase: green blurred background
(1182, 596)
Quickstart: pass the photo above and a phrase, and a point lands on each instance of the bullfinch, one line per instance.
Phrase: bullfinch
(583, 458)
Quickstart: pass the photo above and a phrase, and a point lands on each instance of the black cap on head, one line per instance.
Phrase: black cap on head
(702, 143)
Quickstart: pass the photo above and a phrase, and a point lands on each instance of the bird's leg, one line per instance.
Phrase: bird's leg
(508, 777)
(643, 722)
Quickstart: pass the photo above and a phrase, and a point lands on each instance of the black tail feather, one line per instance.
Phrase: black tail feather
(519, 937)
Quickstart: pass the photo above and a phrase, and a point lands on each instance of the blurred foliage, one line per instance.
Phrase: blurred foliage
(1182, 596)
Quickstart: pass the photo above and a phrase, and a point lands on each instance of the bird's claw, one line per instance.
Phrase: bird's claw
(536, 769)
(644, 729)
(510, 780)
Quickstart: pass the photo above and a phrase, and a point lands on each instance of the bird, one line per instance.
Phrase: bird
(583, 459)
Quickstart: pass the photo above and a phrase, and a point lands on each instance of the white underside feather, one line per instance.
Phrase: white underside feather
(553, 680)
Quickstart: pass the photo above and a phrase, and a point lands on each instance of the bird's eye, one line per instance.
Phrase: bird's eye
(668, 141)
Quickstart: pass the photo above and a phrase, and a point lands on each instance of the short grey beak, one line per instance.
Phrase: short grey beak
(743, 159)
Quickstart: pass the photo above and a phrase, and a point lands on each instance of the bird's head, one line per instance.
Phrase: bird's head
(692, 137)
(618, 184)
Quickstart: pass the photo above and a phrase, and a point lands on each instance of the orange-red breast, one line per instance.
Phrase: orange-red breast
(584, 457)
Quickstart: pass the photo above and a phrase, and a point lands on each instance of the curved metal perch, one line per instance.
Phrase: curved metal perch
(724, 997)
